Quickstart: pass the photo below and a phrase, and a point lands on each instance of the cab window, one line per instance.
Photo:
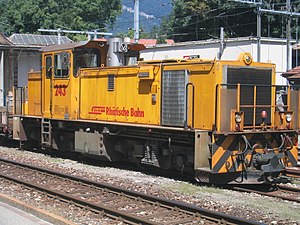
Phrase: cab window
(86, 58)
(131, 57)
(48, 66)
(62, 64)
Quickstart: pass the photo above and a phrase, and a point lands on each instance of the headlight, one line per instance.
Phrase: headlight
(238, 118)
(264, 114)
(288, 118)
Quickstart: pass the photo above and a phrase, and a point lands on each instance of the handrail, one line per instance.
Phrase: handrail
(193, 104)
(238, 99)
(254, 91)
(254, 106)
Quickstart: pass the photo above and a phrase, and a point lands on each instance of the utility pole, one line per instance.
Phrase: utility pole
(222, 46)
(258, 33)
(136, 21)
(288, 34)
(59, 36)
(258, 4)
(287, 13)
(297, 40)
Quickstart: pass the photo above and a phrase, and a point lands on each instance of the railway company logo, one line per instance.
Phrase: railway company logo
(116, 111)
(97, 110)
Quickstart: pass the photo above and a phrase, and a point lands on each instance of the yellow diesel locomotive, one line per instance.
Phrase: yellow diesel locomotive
(224, 121)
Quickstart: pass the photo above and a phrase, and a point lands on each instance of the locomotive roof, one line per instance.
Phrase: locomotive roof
(69, 46)
(131, 46)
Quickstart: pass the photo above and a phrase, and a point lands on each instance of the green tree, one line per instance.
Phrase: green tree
(191, 20)
(27, 16)
(201, 19)
(130, 34)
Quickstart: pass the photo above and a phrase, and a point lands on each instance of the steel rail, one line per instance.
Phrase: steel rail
(275, 193)
(107, 210)
(200, 212)
(292, 172)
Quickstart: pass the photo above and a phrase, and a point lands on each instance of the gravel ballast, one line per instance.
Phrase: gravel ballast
(246, 205)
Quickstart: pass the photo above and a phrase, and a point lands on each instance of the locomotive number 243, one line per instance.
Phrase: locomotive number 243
(60, 90)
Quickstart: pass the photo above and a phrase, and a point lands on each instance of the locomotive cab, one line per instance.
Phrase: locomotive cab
(61, 66)
(90, 54)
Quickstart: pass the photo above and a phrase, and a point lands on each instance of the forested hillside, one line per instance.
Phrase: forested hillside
(199, 20)
(181, 20)
(27, 16)
(151, 14)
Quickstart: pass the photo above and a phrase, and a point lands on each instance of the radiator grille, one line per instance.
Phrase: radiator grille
(248, 77)
(173, 97)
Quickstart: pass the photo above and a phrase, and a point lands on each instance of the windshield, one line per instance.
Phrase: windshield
(86, 58)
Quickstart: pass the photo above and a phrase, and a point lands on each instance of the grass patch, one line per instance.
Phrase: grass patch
(191, 189)
(284, 209)
(295, 181)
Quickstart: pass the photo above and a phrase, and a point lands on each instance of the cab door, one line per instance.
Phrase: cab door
(61, 96)
(47, 79)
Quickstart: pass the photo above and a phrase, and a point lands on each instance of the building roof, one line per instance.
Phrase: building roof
(170, 41)
(292, 74)
(4, 40)
(153, 42)
(171, 44)
(37, 40)
(144, 41)
(147, 42)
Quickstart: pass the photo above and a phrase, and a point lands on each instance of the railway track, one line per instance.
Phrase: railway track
(279, 191)
(293, 172)
(121, 205)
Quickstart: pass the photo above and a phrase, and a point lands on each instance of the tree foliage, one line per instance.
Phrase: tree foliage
(27, 16)
(201, 19)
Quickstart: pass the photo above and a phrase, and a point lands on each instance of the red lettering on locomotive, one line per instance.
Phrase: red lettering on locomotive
(60, 89)
(116, 111)
(136, 112)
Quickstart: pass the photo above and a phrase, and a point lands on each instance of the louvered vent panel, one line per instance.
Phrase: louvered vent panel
(111, 82)
(173, 97)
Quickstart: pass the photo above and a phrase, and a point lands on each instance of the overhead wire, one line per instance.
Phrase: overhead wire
(222, 17)
(214, 17)
(189, 15)
(225, 16)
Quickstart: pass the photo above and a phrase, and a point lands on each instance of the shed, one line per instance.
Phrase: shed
(19, 54)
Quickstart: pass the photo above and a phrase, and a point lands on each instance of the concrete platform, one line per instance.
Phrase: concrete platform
(10, 215)
(15, 212)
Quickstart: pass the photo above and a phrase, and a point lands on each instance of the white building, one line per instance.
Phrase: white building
(272, 50)
(19, 54)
